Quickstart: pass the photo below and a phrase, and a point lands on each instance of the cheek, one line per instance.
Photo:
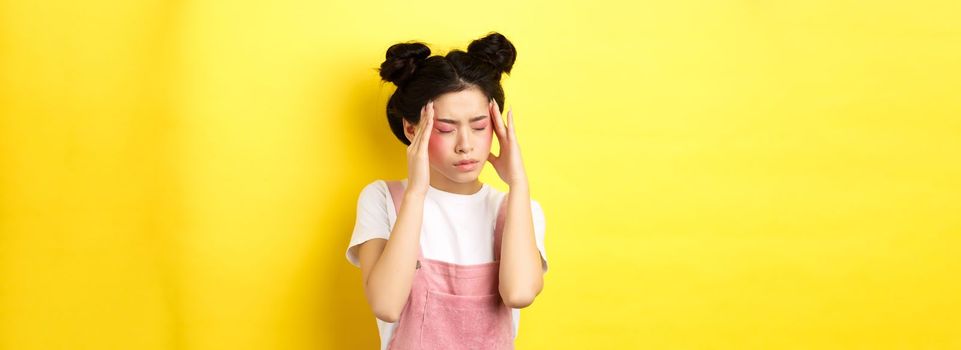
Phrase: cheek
(485, 141)
(437, 145)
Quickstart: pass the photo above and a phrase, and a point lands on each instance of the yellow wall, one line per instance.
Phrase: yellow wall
(715, 175)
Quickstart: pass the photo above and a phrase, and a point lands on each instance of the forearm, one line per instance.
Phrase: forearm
(521, 274)
(389, 283)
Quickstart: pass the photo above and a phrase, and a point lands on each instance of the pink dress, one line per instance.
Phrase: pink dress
(453, 306)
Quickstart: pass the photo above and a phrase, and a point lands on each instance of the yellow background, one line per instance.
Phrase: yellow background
(715, 175)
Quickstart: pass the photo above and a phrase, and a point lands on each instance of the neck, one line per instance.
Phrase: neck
(441, 182)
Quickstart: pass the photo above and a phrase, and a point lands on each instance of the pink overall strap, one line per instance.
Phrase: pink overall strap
(396, 189)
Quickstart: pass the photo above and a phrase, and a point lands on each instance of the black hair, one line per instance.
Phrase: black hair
(420, 77)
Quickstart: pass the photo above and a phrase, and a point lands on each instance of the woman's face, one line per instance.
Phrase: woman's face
(462, 131)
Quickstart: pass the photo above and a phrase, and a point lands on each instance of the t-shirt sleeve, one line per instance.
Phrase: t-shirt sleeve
(372, 218)
(537, 214)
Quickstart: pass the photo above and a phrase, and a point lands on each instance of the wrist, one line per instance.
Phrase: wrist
(519, 183)
(413, 196)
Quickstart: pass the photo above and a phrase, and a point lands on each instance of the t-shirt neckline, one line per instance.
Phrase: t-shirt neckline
(432, 191)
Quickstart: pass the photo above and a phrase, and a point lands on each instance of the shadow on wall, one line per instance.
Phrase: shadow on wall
(375, 153)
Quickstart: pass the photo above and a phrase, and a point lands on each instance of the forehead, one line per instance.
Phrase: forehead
(461, 105)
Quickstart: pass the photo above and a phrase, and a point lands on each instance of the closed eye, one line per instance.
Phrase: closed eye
(450, 131)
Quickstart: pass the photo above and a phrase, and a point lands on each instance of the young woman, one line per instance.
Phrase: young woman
(447, 260)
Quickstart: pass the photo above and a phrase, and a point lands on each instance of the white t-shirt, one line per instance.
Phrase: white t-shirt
(456, 228)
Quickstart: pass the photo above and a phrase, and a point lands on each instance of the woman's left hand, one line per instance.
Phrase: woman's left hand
(508, 163)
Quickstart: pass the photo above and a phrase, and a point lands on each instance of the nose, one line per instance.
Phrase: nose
(464, 144)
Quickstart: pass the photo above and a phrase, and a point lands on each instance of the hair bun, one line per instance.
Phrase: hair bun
(495, 50)
(402, 60)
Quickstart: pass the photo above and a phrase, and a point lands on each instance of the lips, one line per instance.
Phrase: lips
(466, 161)
(466, 165)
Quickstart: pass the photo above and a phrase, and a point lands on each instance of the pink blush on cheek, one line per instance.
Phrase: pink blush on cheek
(436, 146)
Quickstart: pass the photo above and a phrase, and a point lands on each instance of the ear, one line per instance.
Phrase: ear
(409, 130)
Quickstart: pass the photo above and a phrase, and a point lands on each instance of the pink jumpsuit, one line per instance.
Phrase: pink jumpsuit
(453, 306)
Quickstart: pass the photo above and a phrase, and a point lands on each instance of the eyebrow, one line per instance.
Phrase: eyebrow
(451, 121)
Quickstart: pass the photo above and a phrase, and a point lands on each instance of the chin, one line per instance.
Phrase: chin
(464, 178)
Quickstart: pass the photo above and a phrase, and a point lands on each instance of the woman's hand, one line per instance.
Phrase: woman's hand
(418, 165)
(508, 163)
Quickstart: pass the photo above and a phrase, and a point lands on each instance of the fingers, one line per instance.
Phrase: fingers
(415, 141)
(498, 121)
(510, 123)
(428, 126)
(422, 133)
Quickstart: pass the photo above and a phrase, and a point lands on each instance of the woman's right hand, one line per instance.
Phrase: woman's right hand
(418, 165)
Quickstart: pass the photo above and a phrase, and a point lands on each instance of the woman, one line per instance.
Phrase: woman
(446, 260)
